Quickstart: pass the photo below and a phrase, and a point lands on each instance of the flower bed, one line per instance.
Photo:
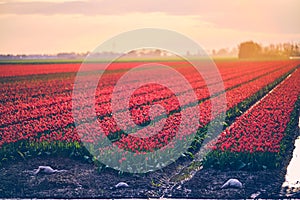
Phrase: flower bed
(260, 137)
(40, 110)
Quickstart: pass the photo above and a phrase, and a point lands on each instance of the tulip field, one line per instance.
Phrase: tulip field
(36, 116)
(260, 136)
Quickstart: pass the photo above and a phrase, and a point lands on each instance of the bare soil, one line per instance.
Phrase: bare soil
(82, 180)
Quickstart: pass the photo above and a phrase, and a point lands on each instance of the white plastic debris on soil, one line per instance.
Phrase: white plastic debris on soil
(292, 177)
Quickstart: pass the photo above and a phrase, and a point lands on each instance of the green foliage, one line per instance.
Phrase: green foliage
(25, 149)
(155, 184)
(240, 160)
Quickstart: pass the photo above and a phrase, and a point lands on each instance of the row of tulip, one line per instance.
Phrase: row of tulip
(259, 138)
(18, 112)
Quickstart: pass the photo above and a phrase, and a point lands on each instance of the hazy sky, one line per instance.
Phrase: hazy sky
(52, 26)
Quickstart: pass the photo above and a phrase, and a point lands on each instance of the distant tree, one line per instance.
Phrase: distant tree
(157, 52)
(249, 49)
(287, 49)
(222, 52)
(214, 52)
(297, 50)
(234, 52)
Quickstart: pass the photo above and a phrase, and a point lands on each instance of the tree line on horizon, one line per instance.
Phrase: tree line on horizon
(244, 50)
(250, 49)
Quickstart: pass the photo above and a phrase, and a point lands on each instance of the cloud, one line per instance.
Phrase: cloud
(74, 33)
(99, 7)
(262, 16)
